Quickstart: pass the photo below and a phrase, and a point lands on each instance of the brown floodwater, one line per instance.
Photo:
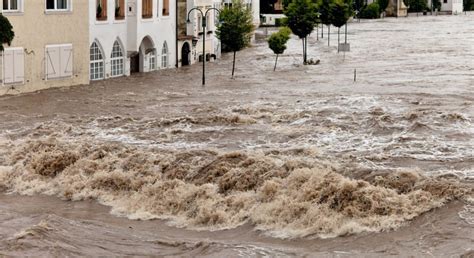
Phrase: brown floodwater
(303, 161)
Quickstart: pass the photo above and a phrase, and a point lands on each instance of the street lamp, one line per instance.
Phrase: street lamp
(203, 21)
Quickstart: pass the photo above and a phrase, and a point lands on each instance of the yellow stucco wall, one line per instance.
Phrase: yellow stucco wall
(34, 29)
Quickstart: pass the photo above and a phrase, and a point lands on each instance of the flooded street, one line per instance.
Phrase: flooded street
(298, 162)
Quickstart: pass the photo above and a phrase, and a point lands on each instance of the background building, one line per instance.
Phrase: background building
(50, 48)
(130, 36)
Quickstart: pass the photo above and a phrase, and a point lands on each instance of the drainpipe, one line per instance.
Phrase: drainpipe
(176, 30)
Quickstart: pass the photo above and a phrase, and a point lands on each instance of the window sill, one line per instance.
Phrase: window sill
(52, 12)
(119, 21)
(12, 13)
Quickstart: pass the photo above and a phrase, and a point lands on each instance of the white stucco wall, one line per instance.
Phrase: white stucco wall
(107, 32)
(132, 30)
(454, 6)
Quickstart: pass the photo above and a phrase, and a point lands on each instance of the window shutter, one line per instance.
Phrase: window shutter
(52, 62)
(8, 66)
(19, 71)
(66, 61)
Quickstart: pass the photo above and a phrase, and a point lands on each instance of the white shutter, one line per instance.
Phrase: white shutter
(53, 62)
(19, 72)
(8, 66)
(66, 60)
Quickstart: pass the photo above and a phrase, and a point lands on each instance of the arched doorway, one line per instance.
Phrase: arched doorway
(147, 48)
(185, 50)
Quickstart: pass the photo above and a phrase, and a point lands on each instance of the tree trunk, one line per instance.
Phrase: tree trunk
(345, 39)
(306, 48)
(317, 32)
(276, 60)
(304, 54)
(233, 66)
(329, 31)
(338, 39)
(322, 30)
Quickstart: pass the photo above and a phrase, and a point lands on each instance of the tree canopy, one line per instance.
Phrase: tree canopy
(277, 41)
(6, 32)
(236, 27)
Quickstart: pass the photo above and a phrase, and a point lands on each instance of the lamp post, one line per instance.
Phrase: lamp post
(203, 21)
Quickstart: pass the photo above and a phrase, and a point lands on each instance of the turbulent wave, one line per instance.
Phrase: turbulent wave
(285, 193)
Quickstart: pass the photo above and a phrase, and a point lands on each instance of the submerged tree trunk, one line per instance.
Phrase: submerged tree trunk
(329, 31)
(338, 38)
(276, 60)
(345, 39)
(233, 66)
(306, 48)
(304, 54)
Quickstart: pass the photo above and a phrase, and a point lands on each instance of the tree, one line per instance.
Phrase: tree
(371, 11)
(468, 5)
(416, 5)
(341, 13)
(277, 42)
(6, 32)
(235, 29)
(302, 16)
(383, 4)
(325, 14)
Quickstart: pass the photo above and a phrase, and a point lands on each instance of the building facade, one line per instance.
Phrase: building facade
(128, 36)
(45, 52)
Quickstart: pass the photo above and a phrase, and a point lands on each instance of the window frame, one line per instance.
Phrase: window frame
(99, 63)
(149, 14)
(118, 61)
(19, 9)
(103, 16)
(56, 10)
(163, 13)
(152, 61)
(164, 56)
(121, 15)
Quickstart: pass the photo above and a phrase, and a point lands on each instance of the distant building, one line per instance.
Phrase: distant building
(50, 48)
(191, 34)
(450, 6)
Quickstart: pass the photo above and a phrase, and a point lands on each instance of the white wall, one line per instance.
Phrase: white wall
(159, 29)
(106, 32)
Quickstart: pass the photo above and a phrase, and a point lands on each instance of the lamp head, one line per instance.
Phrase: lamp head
(188, 21)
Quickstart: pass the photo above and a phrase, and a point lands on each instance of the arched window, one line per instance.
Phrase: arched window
(116, 60)
(164, 56)
(152, 60)
(96, 62)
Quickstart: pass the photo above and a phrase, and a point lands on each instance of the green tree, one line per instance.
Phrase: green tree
(468, 5)
(277, 42)
(371, 11)
(341, 12)
(235, 29)
(326, 15)
(416, 5)
(302, 16)
(383, 4)
(6, 32)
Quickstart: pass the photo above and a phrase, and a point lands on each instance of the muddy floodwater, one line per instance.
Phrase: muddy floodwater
(303, 161)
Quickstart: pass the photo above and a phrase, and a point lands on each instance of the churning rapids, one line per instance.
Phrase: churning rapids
(302, 161)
